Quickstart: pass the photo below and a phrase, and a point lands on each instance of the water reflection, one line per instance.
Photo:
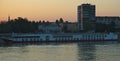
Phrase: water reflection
(86, 52)
(65, 52)
(61, 52)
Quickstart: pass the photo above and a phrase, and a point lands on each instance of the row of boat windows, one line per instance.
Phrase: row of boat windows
(68, 39)
(82, 36)
(27, 37)
(62, 36)
(82, 39)
(94, 36)
(32, 39)
(37, 39)
(85, 38)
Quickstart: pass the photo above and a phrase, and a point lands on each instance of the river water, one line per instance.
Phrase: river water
(62, 52)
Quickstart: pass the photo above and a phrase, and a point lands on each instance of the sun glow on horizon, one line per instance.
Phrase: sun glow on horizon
(54, 9)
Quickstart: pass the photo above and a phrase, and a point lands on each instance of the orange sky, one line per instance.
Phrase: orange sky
(54, 9)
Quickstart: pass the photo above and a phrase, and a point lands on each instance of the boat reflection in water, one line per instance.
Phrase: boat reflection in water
(61, 52)
(87, 52)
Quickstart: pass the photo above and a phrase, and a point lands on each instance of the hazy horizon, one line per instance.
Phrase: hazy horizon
(54, 9)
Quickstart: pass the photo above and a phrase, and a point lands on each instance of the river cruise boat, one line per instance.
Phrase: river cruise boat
(63, 37)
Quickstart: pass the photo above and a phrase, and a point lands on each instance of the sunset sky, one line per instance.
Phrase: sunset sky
(54, 9)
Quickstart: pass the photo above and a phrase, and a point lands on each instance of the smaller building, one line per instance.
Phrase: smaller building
(72, 27)
(108, 19)
(49, 28)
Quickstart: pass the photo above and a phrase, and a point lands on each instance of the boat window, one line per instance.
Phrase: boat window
(105, 35)
(23, 40)
(30, 39)
(41, 39)
(77, 38)
(47, 37)
(74, 38)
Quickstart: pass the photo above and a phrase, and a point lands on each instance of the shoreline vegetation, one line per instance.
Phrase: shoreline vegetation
(23, 25)
(18, 25)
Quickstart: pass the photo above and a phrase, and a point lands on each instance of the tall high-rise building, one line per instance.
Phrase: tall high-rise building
(86, 15)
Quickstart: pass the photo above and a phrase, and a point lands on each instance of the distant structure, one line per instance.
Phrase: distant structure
(8, 18)
(86, 15)
(72, 27)
(108, 19)
(49, 28)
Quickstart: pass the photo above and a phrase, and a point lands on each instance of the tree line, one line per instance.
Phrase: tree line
(23, 25)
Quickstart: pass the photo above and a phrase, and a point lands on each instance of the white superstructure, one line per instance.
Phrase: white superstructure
(64, 37)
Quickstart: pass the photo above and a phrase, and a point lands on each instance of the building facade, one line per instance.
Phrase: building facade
(50, 28)
(72, 27)
(108, 19)
(86, 14)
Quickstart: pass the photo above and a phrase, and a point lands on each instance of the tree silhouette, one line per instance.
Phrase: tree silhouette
(18, 25)
(61, 20)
